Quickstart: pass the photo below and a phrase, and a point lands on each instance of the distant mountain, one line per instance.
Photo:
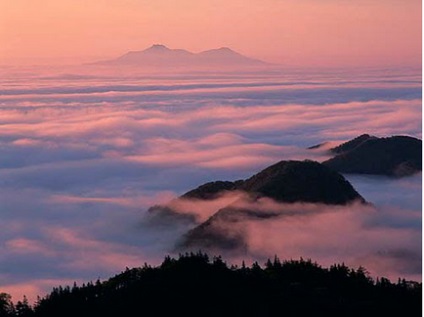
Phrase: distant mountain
(225, 55)
(286, 181)
(161, 56)
(156, 54)
(393, 156)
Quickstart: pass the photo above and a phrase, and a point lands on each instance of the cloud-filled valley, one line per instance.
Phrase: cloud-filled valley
(84, 157)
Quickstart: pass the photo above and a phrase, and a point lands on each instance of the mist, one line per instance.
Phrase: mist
(84, 156)
(383, 235)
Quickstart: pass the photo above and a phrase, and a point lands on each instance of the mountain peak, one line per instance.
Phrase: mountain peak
(221, 51)
(302, 181)
(157, 47)
(396, 156)
(284, 182)
(225, 49)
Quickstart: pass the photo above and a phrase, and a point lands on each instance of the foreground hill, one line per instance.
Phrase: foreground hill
(393, 156)
(194, 285)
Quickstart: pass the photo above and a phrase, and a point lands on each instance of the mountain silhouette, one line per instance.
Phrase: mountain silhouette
(286, 181)
(393, 156)
(301, 181)
(352, 144)
(225, 55)
(213, 190)
(161, 56)
(317, 146)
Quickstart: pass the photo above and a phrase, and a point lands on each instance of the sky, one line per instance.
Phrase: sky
(324, 33)
(84, 155)
(86, 151)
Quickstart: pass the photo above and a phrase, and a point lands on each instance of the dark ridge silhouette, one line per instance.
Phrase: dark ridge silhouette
(212, 190)
(221, 231)
(302, 181)
(286, 181)
(218, 233)
(161, 215)
(393, 156)
(317, 146)
(165, 215)
(196, 285)
(352, 144)
(161, 56)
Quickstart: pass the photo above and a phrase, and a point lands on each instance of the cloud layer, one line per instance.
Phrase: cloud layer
(83, 157)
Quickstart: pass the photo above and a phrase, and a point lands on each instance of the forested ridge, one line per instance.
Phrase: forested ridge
(197, 285)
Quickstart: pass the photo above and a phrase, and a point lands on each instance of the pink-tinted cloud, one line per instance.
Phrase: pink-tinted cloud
(85, 154)
(333, 235)
(203, 209)
(381, 239)
(133, 201)
(28, 246)
(86, 253)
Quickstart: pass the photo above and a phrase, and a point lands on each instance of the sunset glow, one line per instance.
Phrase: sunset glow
(112, 110)
(290, 32)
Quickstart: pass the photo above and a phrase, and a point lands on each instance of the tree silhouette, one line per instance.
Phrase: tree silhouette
(6, 306)
(196, 285)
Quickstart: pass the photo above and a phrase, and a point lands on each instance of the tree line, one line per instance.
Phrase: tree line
(194, 284)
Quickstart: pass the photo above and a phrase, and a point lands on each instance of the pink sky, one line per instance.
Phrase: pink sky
(291, 32)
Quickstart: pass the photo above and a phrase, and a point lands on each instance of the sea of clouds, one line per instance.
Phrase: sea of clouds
(84, 154)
